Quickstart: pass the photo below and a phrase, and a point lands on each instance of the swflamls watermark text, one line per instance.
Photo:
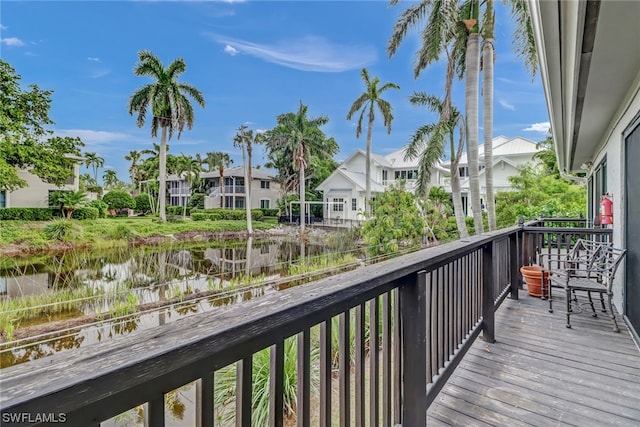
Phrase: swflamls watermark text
(37, 417)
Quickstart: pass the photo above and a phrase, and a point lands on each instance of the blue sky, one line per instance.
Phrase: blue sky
(253, 60)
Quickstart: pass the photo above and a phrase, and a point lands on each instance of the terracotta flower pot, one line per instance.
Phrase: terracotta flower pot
(533, 278)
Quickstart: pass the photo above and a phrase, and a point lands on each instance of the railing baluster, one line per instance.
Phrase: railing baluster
(359, 365)
(439, 318)
(244, 390)
(414, 347)
(325, 373)
(488, 306)
(204, 401)
(303, 415)
(513, 265)
(345, 367)
(386, 360)
(276, 385)
(154, 412)
(397, 358)
(374, 362)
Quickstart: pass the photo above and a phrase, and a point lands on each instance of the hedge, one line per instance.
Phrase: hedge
(86, 213)
(227, 214)
(270, 212)
(27, 214)
(177, 210)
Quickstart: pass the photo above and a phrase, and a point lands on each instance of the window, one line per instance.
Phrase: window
(338, 204)
(265, 204)
(354, 204)
(397, 174)
(464, 171)
(384, 175)
(239, 202)
(265, 184)
(3, 199)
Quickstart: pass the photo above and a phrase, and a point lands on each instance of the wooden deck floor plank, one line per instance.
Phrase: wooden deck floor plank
(561, 369)
(452, 417)
(541, 373)
(573, 389)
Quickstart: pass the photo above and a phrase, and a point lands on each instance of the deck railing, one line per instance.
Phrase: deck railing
(401, 328)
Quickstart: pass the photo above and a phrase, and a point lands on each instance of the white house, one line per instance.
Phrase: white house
(36, 193)
(590, 67)
(344, 189)
(265, 191)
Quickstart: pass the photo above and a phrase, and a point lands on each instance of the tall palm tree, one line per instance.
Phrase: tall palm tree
(367, 102)
(110, 178)
(134, 156)
(301, 136)
(93, 161)
(221, 161)
(189, 168)
(245, 139)
(170, 106)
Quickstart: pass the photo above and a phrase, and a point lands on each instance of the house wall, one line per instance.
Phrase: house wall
(613, 148)
(257, 193)
(36, 193)
(343, 188)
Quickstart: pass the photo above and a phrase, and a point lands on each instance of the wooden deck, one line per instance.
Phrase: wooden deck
(539, 373)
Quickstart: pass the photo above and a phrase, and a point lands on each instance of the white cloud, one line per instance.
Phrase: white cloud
(505, 104)
(97, 140)
(99, 73)
(310, 53)
(3, 27)
(93, 58)
(231, 50)
(542, 127)
(12, 41)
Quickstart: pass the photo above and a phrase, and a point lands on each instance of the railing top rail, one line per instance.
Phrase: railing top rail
(167, 357)
(572, 230)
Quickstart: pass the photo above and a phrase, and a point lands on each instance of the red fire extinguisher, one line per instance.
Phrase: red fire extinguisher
(606, 209)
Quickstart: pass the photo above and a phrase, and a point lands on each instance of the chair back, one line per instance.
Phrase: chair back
(601, 260)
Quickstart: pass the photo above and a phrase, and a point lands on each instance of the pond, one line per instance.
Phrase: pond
(50, 304)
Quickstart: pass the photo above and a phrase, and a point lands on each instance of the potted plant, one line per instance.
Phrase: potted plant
(535, 278)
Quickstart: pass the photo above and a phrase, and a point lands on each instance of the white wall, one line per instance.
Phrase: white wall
(36, 193)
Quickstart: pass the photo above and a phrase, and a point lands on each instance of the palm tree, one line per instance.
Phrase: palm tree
(245, 139)
(367, 102)
(110, 178)
(133, 157)
(94, 161)
(68, 201)
(428, 143)
(188, 168)
(301, 136)
(170, 108)
(221, 161)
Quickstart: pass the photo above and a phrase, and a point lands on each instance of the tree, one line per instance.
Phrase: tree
(93, 161)
(245, 139)
(134, 156)
(443, 35)
(170, 107)
(110, 179)
(299, 136)
(189, 168)
(68, 201)
(367, 102)
(25, 143)
(221, 161)
(117, 199)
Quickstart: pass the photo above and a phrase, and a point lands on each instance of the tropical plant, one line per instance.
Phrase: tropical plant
(68, 201)
(221, 161)
(110, 179)
(367, 103)
(118, 199)
(134, 156)
(188, 168)
(93, 161)
(299, 136)
(63, 229)
(245, 139)
(143, 203)
(170, 108)
(396, 222)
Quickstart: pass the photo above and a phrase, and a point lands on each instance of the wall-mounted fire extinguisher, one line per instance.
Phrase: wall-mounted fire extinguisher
(606, 209)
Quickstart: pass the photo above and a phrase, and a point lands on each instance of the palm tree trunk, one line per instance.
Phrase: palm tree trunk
(223, 202)
(162, 191)
(456, 192)
(487, 115)
(471, 106)
(247, 188)
(367, 169)
(302, 201)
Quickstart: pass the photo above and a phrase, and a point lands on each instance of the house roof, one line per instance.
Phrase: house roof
(397, 161)
(356, 178)
(505, 147)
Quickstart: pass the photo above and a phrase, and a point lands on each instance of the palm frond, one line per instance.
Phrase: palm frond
(409, 18)
(523, 38)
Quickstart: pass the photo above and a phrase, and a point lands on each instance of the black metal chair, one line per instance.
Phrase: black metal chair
(588, 267)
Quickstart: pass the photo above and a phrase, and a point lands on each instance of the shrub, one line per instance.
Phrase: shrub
(100, 206)
(196, 201)
(122, 231)
(177, 210)
(63, 229)
(27, 214)
(270, 212)
(85, 213)
(118, 199)
(143, 204)
(230, 214)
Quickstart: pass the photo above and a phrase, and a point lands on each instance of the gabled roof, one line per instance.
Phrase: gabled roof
(356, 178)
(376, 158)
(397, 161)
(505, 147)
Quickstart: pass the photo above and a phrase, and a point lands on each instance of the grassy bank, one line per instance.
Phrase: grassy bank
(28, 237)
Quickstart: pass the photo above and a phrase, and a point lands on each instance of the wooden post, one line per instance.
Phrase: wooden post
(414, 351)
(514, 264)
(488, 279)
